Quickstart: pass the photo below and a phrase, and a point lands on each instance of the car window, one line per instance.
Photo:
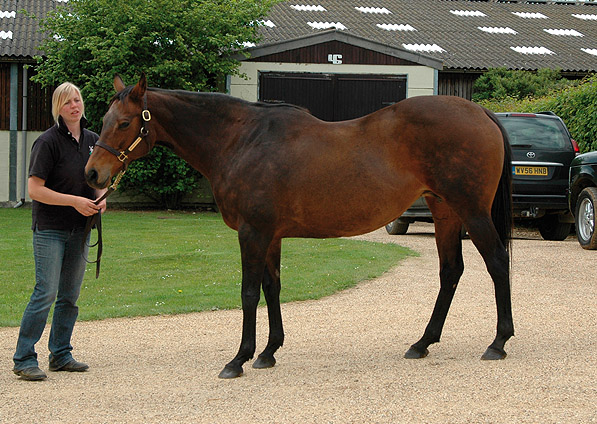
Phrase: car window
(535, 133)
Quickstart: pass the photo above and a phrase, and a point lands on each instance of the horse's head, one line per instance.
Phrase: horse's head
(124, 127)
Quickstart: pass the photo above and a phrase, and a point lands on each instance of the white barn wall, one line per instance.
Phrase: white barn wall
(420, 80)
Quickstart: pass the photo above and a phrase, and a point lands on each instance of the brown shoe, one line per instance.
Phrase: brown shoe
(31, 374)
(71, 366)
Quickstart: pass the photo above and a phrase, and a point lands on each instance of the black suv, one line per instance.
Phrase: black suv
(542, 150)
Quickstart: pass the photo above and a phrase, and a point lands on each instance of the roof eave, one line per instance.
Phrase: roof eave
(337, 35)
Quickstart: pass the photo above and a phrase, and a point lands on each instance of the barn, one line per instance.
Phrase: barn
(338, 58)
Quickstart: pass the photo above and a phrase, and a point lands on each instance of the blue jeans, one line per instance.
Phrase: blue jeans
(59, 271)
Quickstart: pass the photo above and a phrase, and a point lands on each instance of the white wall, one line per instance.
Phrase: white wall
(5, 163)
(420, 80)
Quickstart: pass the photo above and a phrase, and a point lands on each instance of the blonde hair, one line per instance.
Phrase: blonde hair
(61, 95)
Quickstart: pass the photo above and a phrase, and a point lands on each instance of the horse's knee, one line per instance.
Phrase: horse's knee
(450, 274)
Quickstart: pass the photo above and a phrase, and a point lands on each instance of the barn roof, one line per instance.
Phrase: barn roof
(462, 34)
(19, 31)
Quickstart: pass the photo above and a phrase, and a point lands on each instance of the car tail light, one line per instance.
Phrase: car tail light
(575, 147)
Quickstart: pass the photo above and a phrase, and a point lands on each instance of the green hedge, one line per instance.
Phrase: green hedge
(577, 106)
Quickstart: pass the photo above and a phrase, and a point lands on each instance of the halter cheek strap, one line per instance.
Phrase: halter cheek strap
(123, 154)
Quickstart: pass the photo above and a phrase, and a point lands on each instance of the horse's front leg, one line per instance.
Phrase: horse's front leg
(254, 247)
(271, 290)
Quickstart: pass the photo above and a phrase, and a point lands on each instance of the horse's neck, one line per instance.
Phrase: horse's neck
(197, 129)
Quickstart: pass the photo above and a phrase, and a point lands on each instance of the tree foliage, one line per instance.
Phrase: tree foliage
(500, 83)
(178, 44)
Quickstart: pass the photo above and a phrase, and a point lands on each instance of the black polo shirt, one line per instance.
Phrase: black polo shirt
(57, 158)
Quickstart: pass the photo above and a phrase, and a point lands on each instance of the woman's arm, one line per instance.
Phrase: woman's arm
(38, 191)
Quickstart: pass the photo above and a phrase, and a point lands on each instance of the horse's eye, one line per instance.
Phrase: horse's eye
(123, 125)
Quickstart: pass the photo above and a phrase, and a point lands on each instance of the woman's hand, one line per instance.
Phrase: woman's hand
(85, 206)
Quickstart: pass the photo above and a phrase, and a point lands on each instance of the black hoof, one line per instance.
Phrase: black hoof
(231, 372)
(264, 362)
(493, 354)
(413, 353)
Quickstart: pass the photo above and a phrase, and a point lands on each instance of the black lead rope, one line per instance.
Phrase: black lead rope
(95, 221)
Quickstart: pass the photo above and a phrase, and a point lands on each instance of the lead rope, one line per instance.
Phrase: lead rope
(95, 221)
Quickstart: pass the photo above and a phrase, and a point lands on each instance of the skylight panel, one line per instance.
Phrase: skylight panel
(7, 14)
(568, 32)
(529, 15)
(309, 8)
(427, 48)
(396, 27)
(267, 23)
(326, 25)
(467, 13)
(6, 35)
(585, 17)
(378, 10)
(498, 30)
(590, 51)
(532, 50)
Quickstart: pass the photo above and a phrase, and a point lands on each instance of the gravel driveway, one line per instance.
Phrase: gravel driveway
(343, 357)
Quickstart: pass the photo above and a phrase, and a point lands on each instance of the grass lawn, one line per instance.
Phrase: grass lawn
(158, 262)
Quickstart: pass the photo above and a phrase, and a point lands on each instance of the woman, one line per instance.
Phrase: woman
(61, 202)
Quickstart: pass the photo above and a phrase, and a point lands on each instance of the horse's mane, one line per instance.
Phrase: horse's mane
(120, 96)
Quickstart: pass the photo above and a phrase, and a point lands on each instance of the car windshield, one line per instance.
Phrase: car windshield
(525, 132)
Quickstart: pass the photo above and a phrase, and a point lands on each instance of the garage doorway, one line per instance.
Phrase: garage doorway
(333, 97)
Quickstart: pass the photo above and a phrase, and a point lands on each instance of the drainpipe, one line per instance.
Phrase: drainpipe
(24, 142)
(12, 157)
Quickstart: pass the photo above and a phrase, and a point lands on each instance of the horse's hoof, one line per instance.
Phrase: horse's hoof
(413, 353)
(493, 354)
(231, 372)
(264, 362)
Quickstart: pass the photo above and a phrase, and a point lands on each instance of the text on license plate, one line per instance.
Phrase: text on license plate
(530, 170)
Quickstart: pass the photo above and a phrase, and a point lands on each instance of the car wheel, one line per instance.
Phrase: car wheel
(585, 218)
(551, 228)
(397, 227)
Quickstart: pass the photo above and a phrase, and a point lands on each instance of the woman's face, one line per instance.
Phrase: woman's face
(72, 110)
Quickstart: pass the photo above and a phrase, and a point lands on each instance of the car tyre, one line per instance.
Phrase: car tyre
(397, 227)
(551, 228)
(584, 218)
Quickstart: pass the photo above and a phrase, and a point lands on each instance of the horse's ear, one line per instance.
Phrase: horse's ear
(139, 89)
(118, 84)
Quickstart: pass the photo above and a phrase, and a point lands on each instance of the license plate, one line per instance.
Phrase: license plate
(530, 170)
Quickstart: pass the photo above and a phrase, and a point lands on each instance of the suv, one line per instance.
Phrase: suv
(583, 198)
(542, 150)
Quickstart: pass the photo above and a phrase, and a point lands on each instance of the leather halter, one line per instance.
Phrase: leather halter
(95, 221)
(122, 155)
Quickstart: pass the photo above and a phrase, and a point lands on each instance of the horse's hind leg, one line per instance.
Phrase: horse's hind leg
(449, 247)
(271, 290)
(497, 260)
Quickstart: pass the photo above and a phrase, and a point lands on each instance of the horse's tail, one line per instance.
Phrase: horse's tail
(501, 210)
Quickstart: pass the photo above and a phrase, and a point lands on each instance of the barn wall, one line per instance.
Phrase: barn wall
(421, 80)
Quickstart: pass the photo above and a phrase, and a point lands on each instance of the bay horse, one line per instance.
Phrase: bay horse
(276, 171)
